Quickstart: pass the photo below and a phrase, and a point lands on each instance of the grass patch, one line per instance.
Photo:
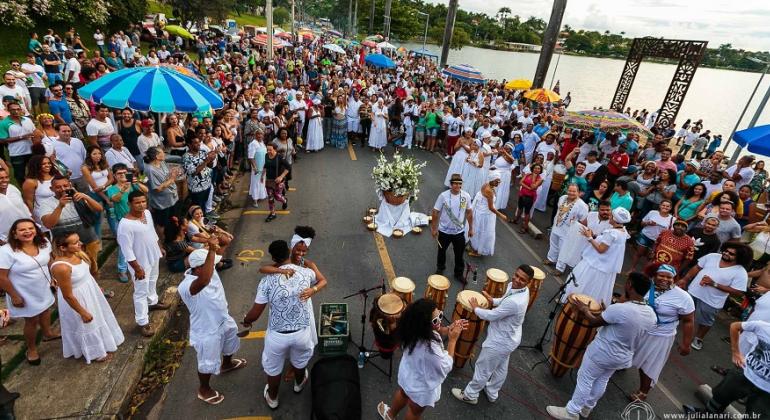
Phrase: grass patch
(246, 19)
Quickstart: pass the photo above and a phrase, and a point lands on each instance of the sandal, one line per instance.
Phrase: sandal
(382, 410)
(212, 400)
(32, 362)
(54, 338)
(638, 396)
(237, 364)
(523, 231)
(719, 369)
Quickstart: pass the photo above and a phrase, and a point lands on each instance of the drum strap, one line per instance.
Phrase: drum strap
(455, 219)
(651, 302)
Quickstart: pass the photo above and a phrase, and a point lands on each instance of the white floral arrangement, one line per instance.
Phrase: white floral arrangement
(401, 176)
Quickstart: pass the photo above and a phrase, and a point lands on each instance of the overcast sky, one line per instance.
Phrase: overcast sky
(741, 23)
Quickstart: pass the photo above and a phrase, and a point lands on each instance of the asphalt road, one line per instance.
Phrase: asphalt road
(332, 192)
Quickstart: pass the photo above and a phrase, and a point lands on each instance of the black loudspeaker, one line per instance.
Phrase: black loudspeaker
(336, 389)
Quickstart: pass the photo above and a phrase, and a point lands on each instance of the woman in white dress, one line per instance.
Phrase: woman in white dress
(88, 326)
(485, 218)
(473, 176)
(673, 306)
(602, 260)
(424, 364)
(378, 136)
(37, 185)
(504, 164)
(462, 148)
(257, 151)
(315, 129)
(545, 187)
(26, 280)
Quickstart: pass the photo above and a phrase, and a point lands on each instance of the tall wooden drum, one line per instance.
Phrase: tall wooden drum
(470, 335)
(437, 290)
(496, 281)
(534, 285)
(571, 334)
(403, 287)
(384, 316)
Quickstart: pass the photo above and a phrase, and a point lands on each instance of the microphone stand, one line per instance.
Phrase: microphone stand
(369, 353)
(557, 297)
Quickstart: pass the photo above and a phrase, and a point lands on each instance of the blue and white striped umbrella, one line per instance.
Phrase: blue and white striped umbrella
(156, 89)
(465, 73)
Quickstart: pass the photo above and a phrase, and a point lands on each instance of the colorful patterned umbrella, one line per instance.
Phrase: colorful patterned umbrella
(369, 43)
(465, 73)
(156, 89)
(542, 95)
(334, 48)
(261, 39)
(518, 84)
(605, 121)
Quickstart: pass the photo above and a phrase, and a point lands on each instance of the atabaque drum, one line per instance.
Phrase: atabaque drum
(468, 338)
(496, 282)
(558, 176)
(534, 285)
(384, 316)
(437, 290)
(403, 287)
(572, 334)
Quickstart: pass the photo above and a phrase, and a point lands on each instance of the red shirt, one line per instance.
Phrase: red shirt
(618, 160)
(567, 147)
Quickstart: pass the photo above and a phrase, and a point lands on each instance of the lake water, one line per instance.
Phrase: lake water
(717, 96)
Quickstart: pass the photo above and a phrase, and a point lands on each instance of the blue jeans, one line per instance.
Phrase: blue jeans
(53, 78)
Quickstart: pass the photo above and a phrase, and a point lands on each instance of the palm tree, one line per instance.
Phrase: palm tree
(503, 13)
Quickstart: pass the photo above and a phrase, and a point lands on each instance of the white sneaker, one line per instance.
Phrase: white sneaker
(270, 403)
(560, 413)
(298, 387)
(697, 343)
(490, 399)
(585, 412)
(460, 395)
(447, 157)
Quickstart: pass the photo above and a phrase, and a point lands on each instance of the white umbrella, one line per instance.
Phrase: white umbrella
(385, 45)
(334, 48)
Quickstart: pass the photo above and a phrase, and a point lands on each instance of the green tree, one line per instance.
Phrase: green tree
(198, 10)
(281, 15)
(578, 42)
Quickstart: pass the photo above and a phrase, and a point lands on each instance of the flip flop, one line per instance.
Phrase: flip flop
(47, 339)
(719, 369)
(382, 410)
(214, 399)
(237, 364)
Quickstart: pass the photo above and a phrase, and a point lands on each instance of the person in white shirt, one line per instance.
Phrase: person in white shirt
(299, 106)
(424, 364)
(575, 242)
(353, 118)
(12, 207)
(139, 243)
(37, 89)
(741, 172)
(72, 69)
(503, 337)
(624, 327)
(530, 140)
(290, 331)
(100, 128)
(673, 306)
(119, 154)
(714, 277)
(72, 153)
(570, 209)
(147, 139)
(213, 332)
(451, 215)
(14, 89)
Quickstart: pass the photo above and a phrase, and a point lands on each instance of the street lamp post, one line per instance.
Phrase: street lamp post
(425, 36)
(746, 107)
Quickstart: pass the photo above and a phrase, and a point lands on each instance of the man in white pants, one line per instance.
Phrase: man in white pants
(290, 332)
(503, 336)
(624, 325)
(139, 243)
(213, 332)
(570, 209)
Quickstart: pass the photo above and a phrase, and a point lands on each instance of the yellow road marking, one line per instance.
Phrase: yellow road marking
(387, 264)
(248, 255)
(247, 212)
(254, 335)
(351, 152)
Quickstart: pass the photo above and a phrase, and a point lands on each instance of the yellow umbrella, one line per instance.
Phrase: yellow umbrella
(542, 95)
(518, 84)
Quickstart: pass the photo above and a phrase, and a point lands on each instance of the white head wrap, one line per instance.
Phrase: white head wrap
(297, 239)
(621, 215)
(493, 176)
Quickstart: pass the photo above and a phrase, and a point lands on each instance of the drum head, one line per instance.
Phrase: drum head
(390, 304)
(539, 274)
(497, 275)
(403, 285)
(464, 297)
(438, 282)
(593, 304)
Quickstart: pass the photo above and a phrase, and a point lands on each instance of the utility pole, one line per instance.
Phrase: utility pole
(549, 42)
(349, 30)
(386, 26)
(269, 19)
(292, 20)
(371, 18)
(448, 30)
(355, 19)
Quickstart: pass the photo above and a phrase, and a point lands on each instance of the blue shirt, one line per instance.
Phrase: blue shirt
(541, 130)
(518, 150)
(689, 179)
(60, 108)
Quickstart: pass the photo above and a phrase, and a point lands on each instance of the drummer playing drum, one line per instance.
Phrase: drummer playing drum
(503, 336)
(625, 325)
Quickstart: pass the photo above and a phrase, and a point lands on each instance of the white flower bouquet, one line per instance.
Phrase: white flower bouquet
(398, 179)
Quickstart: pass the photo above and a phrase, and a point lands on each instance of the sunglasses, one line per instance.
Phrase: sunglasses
(437, 319)
(457, 182)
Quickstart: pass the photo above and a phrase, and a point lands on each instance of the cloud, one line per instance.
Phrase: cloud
(742, 24)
